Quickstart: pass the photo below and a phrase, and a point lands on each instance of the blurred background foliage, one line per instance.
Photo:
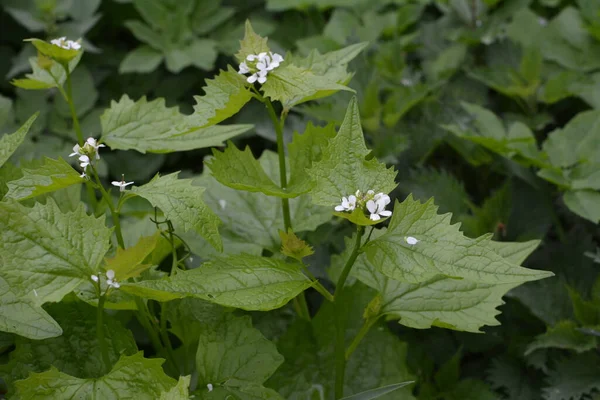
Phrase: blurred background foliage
(490, 106)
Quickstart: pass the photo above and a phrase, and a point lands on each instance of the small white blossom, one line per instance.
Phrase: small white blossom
(95, 278)
(244, 69)
(411, 240)
(76, 151)
(92, 146)
(110, 279)
(209, 387)
(264, 62)
(84, 161)
(122, 184)
(377, 205)
(65, 43)
(348, 204)
(110, 274)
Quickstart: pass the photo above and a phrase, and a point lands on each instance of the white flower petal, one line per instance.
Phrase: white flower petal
(339, 208)
(116, 285)
(372, 207)
(252, 78)
(262, 79)
(110, 274)
(385, 213)
(375, 217)
(94, 278)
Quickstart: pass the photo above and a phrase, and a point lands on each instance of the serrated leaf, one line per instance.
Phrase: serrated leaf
(240, 170)
(223, 97)
(573, 378)
(46, 253)
(294, 247)
(344, 169)
(377, 393)
(182, 203)
(179, 391)
(21, 316)
(143, 59)
(9, 143)
(251, 43)
(585, 203)
(506, 374)
(77, 351)
(331, 64)
(442, 250)
(129, 263)
(132, 376)
(41, 78)
(244, 281)
(49, 177)
(235, 353)
(292, 85)
(564, 335)
(126, 124)
(304, 150)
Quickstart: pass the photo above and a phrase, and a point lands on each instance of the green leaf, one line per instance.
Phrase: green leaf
(585, 203)
(344, 169)
(9, 143)
(251, 44)
(129, 263)
(506, 374)
(41, 78)
(144, 59)
(251, 220)
(47, 253)
(51, 176)
(294, 247)
(377, 393)
(77, 351)
(179, 391)
(182, 203)
(292, 85)
(240, 170)
(224, 96)
(57, 53)
(564, 335)
(574, 378)
(200, 53)
(132, 376)
(250, 392)
(22, 316)
(246, 282)
(304, 150)
(235, 354)
(127, 124)
(442, 250)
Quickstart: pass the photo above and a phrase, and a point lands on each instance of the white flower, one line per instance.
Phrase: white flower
(348, 204)
(265, 62)
(411, 240)
(110, 274)
(110, 281)
(210, 387)
(377, 205)
(83, 175)
(251, 57)
(76, 151)
(84, 162)
(276, 59)
(92, 146)
(66, 44)
(121, 185)
(95, 278)
(243, 68)
(260, 76)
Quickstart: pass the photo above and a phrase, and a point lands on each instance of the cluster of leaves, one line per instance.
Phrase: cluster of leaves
(488, 106)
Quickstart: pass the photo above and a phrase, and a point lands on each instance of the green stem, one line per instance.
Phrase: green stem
(113, 212)
(285, 203)
(360, 335)
(165, 337)
(100, 330)
(340, 342)
(317, 285)
(143, 317)
(69, 98)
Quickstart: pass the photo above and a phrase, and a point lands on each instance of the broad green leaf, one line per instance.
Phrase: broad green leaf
(42, 78)
(131, 377)
(235, 354)
(200, 53)
(20, 315)
(506, 374)
(442, 250)
(179, 391)
(564, 335)
(304, 150)
(57, 53)
(127, 124)
(9, 143)
(251, 221)
(182, 203)
(573, 378)
(377, 393)
(487, 130)
(46, 253)
(51, 176)
(585, 203)
(246, 282)
(292, 85)
(129, 263)
(144, 59)
(251, 44)
(77, 351)
(223, 97)
(344, 169)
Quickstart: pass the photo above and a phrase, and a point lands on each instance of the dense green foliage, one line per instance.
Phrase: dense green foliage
(225, 266)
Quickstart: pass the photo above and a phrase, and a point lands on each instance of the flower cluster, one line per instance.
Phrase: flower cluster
(263, 63)
(66, 44)
(110, 279)
(374, 203)
(87, 153)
